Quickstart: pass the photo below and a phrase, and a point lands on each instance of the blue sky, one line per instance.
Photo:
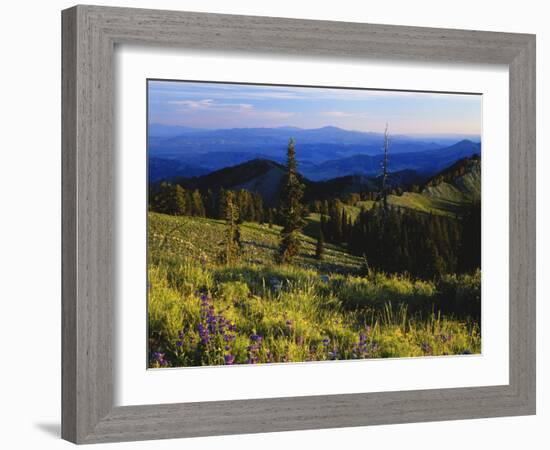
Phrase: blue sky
(214, 106)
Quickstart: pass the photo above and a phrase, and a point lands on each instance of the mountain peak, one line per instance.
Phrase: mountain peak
(464, 142)
(330, 128)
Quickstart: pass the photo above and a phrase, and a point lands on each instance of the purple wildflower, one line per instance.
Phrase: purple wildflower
(254, 348)
(360, 349)
(203, 334)
(159, 358)
(426, 348)
(256, 338)
(333, 354)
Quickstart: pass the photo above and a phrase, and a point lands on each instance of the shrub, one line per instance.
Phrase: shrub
(460, 295)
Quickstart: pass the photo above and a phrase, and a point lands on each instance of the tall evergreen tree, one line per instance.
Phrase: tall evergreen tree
(325, 208)
(222, 202)
(165, 200)
(323, 224)
(197, 204)
(244, 206)
(320, 249)
(258, 208)
(291, 209)
(385, 169)
(469, 256)
(335, 220)
(180, 201)
(231, 243)
(344, 224)
(210, 205)
(270, 217)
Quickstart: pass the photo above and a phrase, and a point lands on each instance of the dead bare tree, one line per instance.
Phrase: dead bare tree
(385, 169)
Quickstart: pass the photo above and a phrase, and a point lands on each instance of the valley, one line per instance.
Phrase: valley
(325, 153)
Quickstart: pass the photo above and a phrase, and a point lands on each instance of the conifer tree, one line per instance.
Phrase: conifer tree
(385, 169)
(344, 224)
(210, 204)
(197, 204)
(180, 201)
(231, 243)
(325, 208)
(243, 205)
(164, 200)
(320, 249)
(323, 224)
(270, 217)
(258, 208)
(291, 209)
(222, 201)
(335, 221)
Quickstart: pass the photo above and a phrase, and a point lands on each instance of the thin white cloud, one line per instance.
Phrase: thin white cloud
(193, 104)
(235, 105)
(210, 104)
(203, 112)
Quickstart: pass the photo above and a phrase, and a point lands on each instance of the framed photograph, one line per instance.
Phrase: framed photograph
(267, 229)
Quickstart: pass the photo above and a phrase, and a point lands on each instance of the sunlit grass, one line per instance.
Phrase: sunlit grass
(203, 313)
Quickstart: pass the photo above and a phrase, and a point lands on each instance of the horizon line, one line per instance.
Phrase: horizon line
(315, 128)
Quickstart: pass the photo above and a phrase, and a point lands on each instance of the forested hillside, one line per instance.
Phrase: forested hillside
(428, 229)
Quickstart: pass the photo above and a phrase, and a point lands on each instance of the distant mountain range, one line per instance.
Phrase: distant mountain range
(195, 151)
(427, 162)
(322, 154)
(328, 134)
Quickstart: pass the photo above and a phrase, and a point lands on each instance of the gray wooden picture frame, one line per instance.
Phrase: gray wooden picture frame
(90, 34)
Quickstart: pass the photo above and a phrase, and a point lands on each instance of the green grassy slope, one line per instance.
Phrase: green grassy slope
(198, 237)
(448, 197)
(259, 312)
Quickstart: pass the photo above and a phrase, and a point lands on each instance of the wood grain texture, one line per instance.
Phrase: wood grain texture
(89, 36)
(68, 226)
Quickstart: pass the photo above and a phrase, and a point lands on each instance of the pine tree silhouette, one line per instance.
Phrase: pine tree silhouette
(291, 209)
